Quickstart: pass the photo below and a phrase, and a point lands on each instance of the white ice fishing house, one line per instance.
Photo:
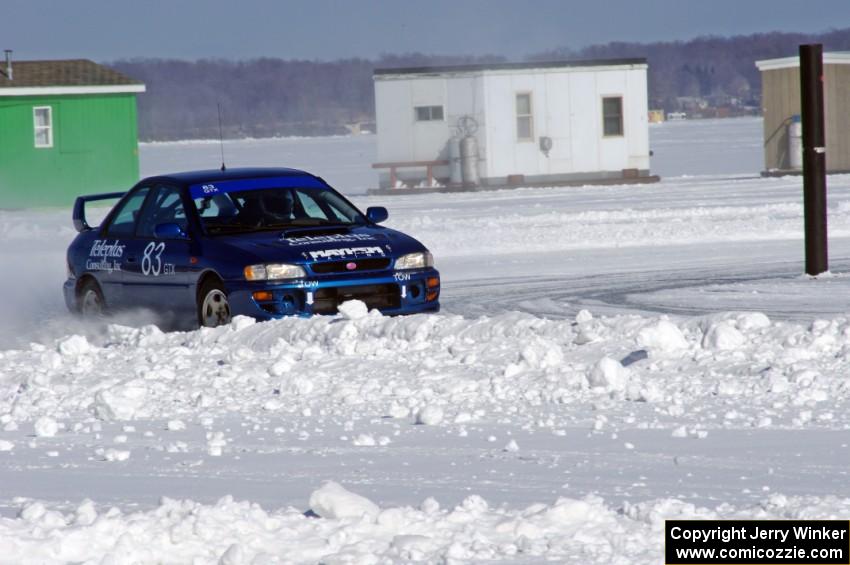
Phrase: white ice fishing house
(513, 124)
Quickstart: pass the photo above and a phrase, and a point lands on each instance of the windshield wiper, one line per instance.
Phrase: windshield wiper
(286, 227)
(228, 228)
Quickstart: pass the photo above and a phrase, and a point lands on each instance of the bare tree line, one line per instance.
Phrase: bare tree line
(274, 97)
(709, 67)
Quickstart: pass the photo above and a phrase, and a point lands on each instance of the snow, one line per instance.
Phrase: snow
(445, 371)
(335, 502)
(46, 427)
(176, 425)
(364, 440)
(429, 415)
(351, 529)
(112, 454)
(608, 374)
(122, 401)
(664, 336)
(353, 309)
(723, 335)
(606, 358)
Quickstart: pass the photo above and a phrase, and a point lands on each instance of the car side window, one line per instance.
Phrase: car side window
(123, 224)
(165, 207)
(310, 206)
(215, 206)
(334, 204)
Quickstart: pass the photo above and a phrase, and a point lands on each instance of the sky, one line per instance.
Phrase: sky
(106, 30)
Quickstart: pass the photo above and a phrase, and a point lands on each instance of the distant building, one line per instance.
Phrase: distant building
(509, 124)
(66, 128)
(781, 109)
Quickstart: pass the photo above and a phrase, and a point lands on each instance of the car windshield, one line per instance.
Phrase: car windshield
(274, 209)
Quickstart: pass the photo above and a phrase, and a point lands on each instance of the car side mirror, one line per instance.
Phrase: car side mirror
(377, 214)
(169, 230)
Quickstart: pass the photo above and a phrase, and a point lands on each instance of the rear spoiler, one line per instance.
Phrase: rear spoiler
(79, 213)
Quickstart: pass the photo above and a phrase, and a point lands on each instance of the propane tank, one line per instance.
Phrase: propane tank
(455, 169)
(469, 160)
(795, 143)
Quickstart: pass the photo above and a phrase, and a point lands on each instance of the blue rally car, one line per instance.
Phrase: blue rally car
(266, 243)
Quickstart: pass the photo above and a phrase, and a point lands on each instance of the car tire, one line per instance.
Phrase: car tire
(213, 306)
(90, 300)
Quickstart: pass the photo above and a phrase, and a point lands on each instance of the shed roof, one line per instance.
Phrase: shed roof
(833, 58)
(445, 69)
(70, 76)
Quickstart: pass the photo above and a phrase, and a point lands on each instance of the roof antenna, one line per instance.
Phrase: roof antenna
(221, 139)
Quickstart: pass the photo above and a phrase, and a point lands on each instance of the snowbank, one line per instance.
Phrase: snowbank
(442, 370)
(334, 501)
(181, 531)
(525, 229)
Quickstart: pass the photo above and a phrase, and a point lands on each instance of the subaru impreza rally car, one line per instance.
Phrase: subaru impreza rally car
(207, 245)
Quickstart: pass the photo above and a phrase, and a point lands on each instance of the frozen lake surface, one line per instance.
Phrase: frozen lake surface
(707, 147)
(703, 147)
(345, 162)
(606, 357)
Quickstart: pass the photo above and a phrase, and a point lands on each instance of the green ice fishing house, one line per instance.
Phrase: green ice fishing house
(66, 128)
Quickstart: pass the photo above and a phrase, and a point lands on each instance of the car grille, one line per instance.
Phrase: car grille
(342, 266)
(380, 296)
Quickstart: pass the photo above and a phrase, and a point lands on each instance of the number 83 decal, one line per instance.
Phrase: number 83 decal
(152, 258)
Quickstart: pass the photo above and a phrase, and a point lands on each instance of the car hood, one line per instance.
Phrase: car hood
(311, 245)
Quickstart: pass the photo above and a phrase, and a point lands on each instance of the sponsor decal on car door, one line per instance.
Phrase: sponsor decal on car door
(157, 269)
(108, 255)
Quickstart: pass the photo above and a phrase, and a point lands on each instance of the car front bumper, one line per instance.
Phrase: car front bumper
(393, 293)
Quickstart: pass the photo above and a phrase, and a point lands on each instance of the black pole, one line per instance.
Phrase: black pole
(814, 157)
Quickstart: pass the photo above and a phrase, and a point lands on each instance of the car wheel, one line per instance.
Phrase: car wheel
(90, 301)
(213, 307)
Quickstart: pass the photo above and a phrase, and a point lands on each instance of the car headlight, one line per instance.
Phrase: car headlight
(419, 260)
(273, 272)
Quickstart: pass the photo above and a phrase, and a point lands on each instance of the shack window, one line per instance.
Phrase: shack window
(42, 117)
(612, 116)
(524, 118)
(429, 113)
